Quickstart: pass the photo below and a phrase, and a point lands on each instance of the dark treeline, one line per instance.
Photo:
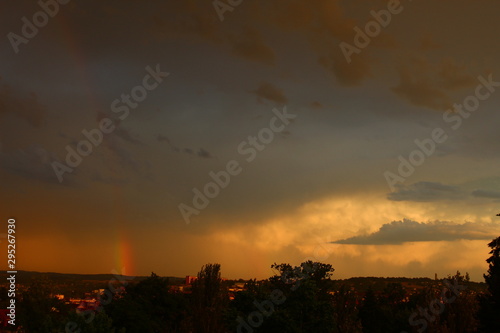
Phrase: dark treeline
(295, 299)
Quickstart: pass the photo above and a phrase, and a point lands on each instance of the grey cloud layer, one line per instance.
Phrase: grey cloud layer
(399, 232)
(426, 192)
(435, 191)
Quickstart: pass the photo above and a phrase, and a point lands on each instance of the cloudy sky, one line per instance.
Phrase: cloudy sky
(358, 133)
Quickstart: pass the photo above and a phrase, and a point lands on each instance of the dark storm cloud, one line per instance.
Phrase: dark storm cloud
(399, 232)
(286, 51)
(323, 24)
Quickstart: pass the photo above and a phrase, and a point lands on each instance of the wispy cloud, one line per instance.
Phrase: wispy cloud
(426, 192)
(486, 194)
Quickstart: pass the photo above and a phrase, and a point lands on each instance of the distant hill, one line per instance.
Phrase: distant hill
(25, 277)
(78, 284)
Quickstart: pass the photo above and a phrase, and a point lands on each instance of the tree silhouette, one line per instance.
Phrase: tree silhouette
(460, 311)
(209, 300)
(149, 307)
(371, 314)
(490, 303)
(309, 303)
(345, 311)
(39, 311)
(101, 323)
(318, 272)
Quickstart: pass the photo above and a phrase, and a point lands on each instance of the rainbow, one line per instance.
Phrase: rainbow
(124, 254)
(123, 250)
(123, 257)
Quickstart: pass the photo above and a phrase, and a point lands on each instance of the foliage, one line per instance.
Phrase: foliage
(100, 323)
(345, 311)
(209, 300)
(490, 303)
(296, 299)
(149, 307)
(39, 311)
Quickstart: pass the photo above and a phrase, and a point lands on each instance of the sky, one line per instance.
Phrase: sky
(159, 136)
